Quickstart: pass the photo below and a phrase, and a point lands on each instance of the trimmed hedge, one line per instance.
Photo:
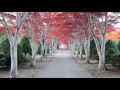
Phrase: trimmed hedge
(25, 46)
(93, 51)
(23, 49)
(111, 48)
(113, 53)
(118, 45)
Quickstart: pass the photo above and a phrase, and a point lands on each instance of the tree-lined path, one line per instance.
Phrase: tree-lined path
(63, 66)
(24, 35)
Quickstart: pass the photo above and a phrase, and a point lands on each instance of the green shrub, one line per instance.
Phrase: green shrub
(118, 45)
(93, 51)
(5, 49)
(83, 51)
(21, 55)
(38, 50)
(2, 61)
(111, 48)
(25, 46)
(111, 44)
(112, 53)
(116, 59)
(109, 54)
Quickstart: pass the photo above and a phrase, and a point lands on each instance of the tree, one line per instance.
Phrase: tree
(13, 35)
(100, 50)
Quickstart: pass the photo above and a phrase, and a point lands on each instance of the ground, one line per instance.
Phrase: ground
(63, 64)
(112, 72)
(25, 71)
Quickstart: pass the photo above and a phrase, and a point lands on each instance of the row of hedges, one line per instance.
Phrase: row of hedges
(112, 52)
(24, 52)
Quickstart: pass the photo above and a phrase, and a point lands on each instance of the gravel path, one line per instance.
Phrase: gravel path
(63, 66)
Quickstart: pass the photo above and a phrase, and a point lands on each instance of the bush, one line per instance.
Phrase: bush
(25, 46)
(5, 49)
(111, 44)
(93, 51)
(112, 53)
(116, 59)
(2, 61)
(21, 55)
(111, 48)
(118, 45)
(38, 50)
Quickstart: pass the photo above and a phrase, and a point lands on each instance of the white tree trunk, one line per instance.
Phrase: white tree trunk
(42, 50)
(53, 46)
(74, 48)
(33, 47)
(102, 65)
(70, 47)
(77, 48)
(87, 49)
(80, 47)
(100, 51)
(13, 39)
(49, 46)
(33, 60)
(13, 52)
(46, 49)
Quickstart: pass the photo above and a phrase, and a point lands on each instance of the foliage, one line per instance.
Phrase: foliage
(118, 45)
(93, 50)
(111, 44)
(116, 59)
(5, 50)
(2, 62)
(111, 48)
(38, 50)
(25, 46)
(112, 54)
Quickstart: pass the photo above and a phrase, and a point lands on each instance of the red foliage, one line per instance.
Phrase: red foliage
(2, 28)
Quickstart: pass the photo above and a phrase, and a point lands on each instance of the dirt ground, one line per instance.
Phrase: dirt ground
(112, 72)
(25, 71)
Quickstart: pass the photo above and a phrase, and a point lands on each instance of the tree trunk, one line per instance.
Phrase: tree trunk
(74, 48)
(80, 47)
(33, 47)
(87, 49)
(46, 49)
(100, 50)
(77, 48)
(102, 65)
(33, 60)
(42, 50)
(49, 48)
(53, 46)
(69, 47)
(13, 52)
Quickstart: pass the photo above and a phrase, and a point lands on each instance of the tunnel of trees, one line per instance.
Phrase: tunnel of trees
(23, 35)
